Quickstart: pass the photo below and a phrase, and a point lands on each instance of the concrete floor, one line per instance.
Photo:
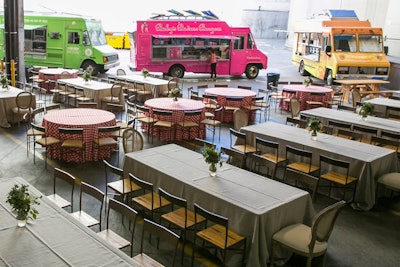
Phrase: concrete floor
(369, 238)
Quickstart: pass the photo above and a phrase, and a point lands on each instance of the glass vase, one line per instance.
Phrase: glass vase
(212, 170)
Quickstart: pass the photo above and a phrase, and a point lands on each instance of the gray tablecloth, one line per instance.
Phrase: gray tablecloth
(54, 239)
(257, 207)
(352, 118)
(367, 162)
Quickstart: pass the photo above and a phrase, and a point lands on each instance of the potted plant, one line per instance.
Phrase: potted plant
(213, 158)
(22, 203)
(366, 109)
(145, 72)
(314, 125)
(4, 82)
(86, 76)
(308, 81)
(175, 93)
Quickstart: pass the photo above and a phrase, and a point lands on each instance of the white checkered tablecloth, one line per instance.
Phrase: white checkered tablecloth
(88, 119)
(178, 109)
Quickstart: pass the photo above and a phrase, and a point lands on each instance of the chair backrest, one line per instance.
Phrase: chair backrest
(71, 131)
(356, 97)
(67, 178)
(235, 157)
(145, 186)
(107, 129)
(87, 105)
(164, 115)
(339, 125)
(163, 234)
(65, 75)
(176, 202)
(121, 72)
(116, 90)
(237, 137)
(240, 119)
(53, 107)
(348, 108)
(202, 86)
(323, 222)
(220, 85)
(244, 87)
(385, 142)
(132, 140)
(296, 122)
(24, 100)
(196, 97)
(295, 107)
(390, 135)
(200, 143)
(192, 115)
(349, 134)
(310, 181)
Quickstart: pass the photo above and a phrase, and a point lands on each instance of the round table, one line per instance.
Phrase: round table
(86, 118)
(54, 74)
(178, 109)
(223, 93)
(305, 93)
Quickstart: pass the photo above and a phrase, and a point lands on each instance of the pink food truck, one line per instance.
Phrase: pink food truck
(176, 46)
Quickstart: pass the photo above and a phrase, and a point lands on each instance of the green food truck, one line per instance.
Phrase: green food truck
(65, 41)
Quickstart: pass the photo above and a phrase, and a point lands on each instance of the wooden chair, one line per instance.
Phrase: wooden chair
(32, 134)
(115, 95)
(386, 142)
(178, 215)
(214, 122)
(44, 141)
(267, 155)
(351, 135)
(336, 172)
(234, 157)
(304, 181)
(146, 121)
(295, 107)
(254, 106)
(316, 103)
(104, 140)
(390, 181)
(72, 141)
(240, 119)
(148, 201)
(238, 141)
(308, 241)
(232, 103)
(366, 132)
(339, 125)
(132, 140)
(84, 217)
(164, 122)
(296, 122)
(216, 233)
(24, 101)
(67, 179)
(210, 101)
(163, 234)
(115, 180)
(113, 237)
(299, 160)
(346, 108)
(191, 120)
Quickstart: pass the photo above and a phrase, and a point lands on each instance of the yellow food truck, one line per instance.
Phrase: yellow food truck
(341, 47)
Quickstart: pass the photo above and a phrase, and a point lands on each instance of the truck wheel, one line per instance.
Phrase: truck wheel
(252, 71)
(302, 69)
(329, 78)
(176, 71)
(91, 66)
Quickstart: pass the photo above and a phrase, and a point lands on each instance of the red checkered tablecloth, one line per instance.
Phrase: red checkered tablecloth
(88, 119)
(178, 109)
(303, 93)
(223, 93)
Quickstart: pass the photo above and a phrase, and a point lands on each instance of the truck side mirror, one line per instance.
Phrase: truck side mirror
(386, 49)
(328, 49)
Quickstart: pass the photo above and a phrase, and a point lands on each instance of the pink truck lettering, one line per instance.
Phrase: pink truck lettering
(176, 46)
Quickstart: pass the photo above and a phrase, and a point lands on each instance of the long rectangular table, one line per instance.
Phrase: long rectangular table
(326, 114)
(55, 238)
(382, 104)
(367, 162)
(156, 85)
(257, 207)
(94, 89)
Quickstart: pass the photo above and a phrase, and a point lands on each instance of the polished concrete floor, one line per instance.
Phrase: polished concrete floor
(359, 238)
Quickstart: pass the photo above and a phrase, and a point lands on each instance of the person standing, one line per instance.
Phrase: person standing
(213, 61)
